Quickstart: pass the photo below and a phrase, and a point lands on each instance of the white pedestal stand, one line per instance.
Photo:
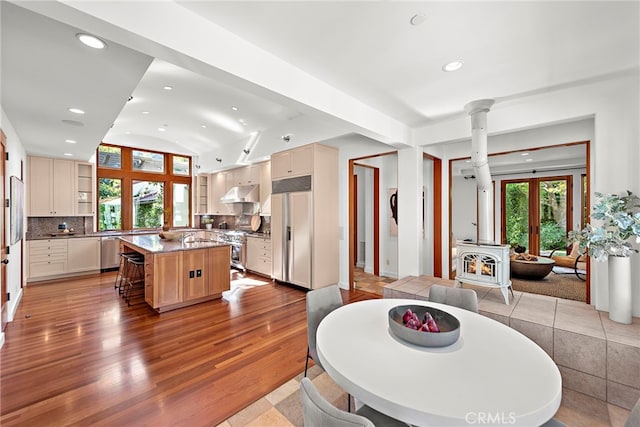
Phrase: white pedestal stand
(620, 289)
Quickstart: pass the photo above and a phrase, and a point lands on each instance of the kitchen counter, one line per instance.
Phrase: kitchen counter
(152, 243)
(178, 273)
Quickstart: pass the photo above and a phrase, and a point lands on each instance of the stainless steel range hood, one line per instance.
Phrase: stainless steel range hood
(242, 194)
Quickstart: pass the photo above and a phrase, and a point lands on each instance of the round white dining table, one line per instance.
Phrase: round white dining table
(492, 375)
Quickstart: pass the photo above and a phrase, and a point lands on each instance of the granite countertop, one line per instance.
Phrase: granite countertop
(259, 235)
(154, 244)
(117, 233)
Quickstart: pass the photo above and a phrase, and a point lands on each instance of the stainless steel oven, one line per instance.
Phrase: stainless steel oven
(238, 242)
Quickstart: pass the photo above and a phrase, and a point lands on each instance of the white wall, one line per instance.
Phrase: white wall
(17, 156)
(614, 105)
(427, 238)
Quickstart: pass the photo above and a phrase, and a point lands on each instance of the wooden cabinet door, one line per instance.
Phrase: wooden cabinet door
(218, 263)
(167, 279)
(63, 188)
(300, 222)
(194, 277)
(302, 160)
(40, 186)
(83, 254)
(280, 165)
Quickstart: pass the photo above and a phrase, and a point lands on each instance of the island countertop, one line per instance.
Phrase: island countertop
(152, 243)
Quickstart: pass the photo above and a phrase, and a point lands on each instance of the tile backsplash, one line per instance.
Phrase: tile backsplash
(42, 226)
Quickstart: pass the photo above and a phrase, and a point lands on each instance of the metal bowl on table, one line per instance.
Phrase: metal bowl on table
(447, 323)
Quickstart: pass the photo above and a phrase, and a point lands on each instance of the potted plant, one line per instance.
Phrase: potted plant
(610, 239)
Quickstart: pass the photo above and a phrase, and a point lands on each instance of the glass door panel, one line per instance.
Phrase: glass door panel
(516, 213)
(552, 209)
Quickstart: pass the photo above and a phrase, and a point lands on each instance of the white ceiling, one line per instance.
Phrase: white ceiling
(367, 50)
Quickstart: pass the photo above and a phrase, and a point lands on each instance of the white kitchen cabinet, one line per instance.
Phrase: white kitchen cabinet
(291, 163)
(217, 189)
(203, 204)
(55, 258)
(83, 254)
(265, 189)
(259, 255)
(85, 189)
(46, 257)
(52, 187)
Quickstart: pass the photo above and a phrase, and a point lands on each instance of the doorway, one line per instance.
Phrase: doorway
(536, 213)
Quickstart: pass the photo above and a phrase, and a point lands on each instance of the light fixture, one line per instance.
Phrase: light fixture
(417, 19)
(286, 138)
(145, 112)
(234, 108)
(161, 129)
(528, 160)
(72, 123)
(203, 126)
(130, 98)
(246, 151)
(467, 161)
(218, 159)
(68, 154)
(76, 110)
(453, 66)
(524, 154)
(167, 87)
(70, 141)
(91, 41)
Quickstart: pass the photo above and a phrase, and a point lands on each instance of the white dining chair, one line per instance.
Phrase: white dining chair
(317, 411)
(457, 297)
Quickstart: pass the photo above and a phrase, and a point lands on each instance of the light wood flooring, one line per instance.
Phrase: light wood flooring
(370, 282)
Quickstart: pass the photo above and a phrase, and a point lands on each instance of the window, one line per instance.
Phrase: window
(141, 189)
(109, 202)
(148, 162)
(148, 204)
(180, 205)
(109, 157)
(181, 165)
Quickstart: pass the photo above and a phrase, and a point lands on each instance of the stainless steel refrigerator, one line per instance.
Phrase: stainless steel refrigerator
(291, 232)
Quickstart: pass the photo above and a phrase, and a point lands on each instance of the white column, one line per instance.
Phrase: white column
(410, 161)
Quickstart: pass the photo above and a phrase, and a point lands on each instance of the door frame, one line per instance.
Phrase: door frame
(4, 249)
(534, 207)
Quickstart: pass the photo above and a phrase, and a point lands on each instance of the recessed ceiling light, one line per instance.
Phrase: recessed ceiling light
(128, 132)
(453, 66)
(524, 154)
(68, 154)
(76, 110)
(161, 129)
(528, 160)
(91, 41)
(145, 112)
(70, 141)
(167, 87)
(203, 126)
(417, 19)
(234, 108)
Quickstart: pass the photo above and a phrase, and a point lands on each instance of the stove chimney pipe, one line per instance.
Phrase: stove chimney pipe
(479, 159)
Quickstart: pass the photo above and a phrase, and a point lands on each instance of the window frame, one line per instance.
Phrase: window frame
(127, 175)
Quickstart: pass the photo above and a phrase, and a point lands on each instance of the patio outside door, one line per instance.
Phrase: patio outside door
(536, 213)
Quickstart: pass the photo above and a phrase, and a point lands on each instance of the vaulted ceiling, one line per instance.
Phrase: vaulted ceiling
(245, 74)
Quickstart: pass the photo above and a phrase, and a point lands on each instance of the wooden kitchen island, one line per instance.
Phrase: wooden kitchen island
(178, 274)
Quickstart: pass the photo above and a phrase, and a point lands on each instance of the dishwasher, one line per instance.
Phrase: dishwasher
(110, 253)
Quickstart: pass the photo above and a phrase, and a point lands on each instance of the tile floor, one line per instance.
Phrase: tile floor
(281, 407)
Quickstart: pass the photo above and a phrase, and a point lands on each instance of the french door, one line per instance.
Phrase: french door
(536, 213)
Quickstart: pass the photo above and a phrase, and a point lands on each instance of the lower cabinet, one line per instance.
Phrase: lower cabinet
(54, 258)
(259, 255)
(177, 279)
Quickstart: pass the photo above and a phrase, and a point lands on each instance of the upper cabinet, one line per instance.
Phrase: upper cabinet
(51, 187)
(59, 187)
(290, 163)
(217, 188)
(248, 175)
(202, 205)
(85, 189)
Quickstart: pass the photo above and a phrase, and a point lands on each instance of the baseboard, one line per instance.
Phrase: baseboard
(14, 307)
